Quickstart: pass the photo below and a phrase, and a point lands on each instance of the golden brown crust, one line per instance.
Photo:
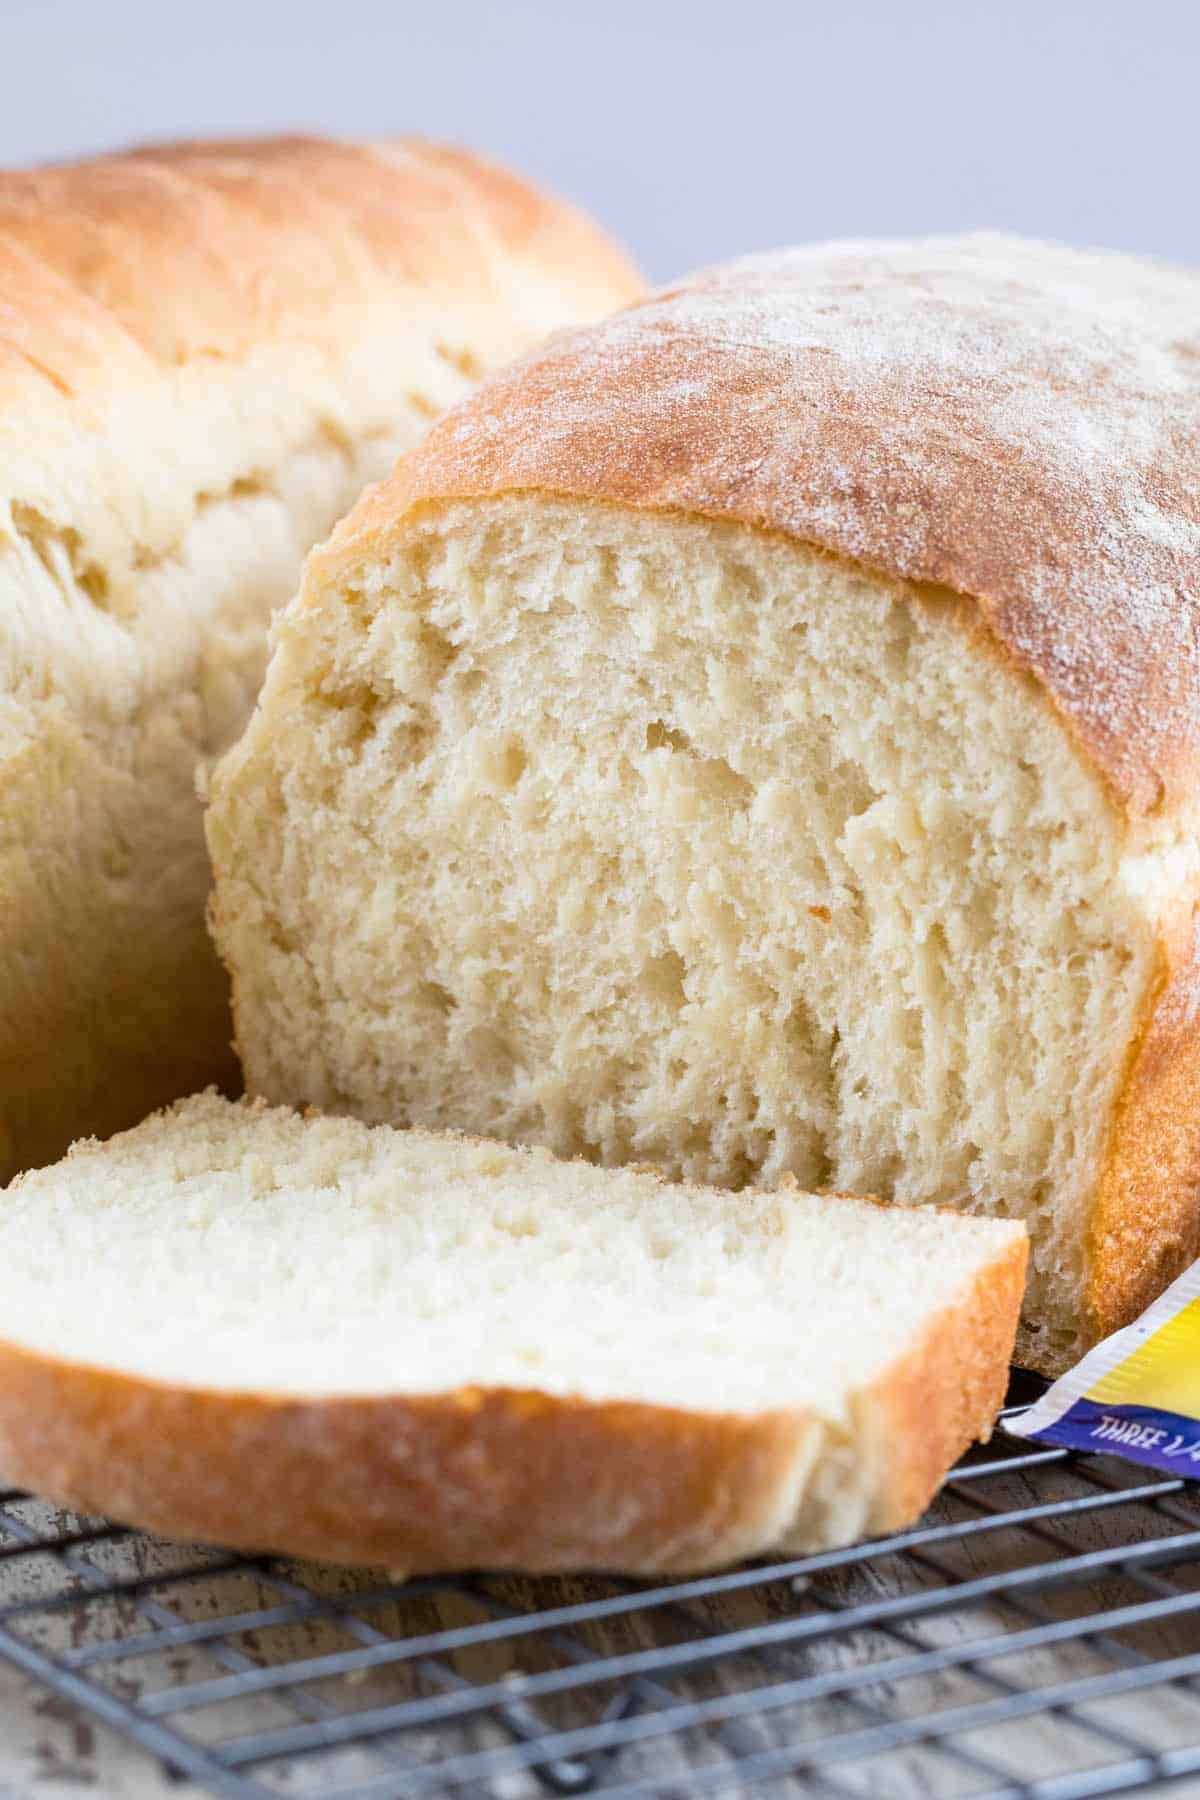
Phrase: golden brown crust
(1145, 1224)
(492, 1478)
(946, 1393)
(206, 250)
(1016, 423)
(500, 1479)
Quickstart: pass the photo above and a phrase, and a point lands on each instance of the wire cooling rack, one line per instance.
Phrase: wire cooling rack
(1037, 1637)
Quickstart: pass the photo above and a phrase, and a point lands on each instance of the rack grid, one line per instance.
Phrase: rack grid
(1036, 1637)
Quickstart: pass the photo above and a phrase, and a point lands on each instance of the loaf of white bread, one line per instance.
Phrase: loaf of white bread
(205, 351)
(301, 1334)
(759, 734)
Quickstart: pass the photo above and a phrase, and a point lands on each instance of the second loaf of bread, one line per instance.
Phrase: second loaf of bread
(205, 352)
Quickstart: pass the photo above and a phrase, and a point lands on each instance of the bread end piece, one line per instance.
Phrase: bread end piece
(512, 1479)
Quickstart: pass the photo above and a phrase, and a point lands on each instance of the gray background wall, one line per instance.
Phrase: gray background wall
(697, 130)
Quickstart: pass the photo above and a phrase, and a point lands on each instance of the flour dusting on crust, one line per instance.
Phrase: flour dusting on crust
(1015, 421)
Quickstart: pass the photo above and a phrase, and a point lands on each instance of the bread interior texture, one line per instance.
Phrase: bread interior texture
(231, 1248)
(113, 700)
(647, 838)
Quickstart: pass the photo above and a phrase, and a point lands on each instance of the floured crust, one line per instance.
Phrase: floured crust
(502, 1478)
(1012, 421)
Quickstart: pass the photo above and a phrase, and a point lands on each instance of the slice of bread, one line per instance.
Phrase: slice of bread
(760, 734)
(307, 1335)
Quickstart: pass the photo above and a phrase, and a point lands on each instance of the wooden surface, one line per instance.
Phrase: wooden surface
(48, 1750)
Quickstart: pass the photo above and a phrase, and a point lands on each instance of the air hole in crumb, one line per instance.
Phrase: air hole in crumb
(59, 549)
(464, 361)
(409, 743)
(800, 1031)
(724, 783)
(502, 763)
(355, 711)
(249, 487)
(335, 436)
(436, 650)
(514, 763)
(662, 737)
(663, 976)
(433, 995)
(489, 1053)
(94, 583)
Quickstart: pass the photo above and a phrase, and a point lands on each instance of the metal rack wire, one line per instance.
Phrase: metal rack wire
(1037, 1636)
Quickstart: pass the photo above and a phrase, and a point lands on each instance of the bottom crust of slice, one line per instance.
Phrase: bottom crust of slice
(505, 1478)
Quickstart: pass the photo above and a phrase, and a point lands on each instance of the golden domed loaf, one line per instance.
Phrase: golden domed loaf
(759, 734)
(205, 352)
(304, 1335)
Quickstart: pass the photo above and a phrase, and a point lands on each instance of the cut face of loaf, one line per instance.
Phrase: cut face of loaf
(380, 1346)
(680, 760)
(208, 350)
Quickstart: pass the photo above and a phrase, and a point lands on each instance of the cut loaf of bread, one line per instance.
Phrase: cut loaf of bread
(761, 734)
(205, 352)
(305, 1335)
